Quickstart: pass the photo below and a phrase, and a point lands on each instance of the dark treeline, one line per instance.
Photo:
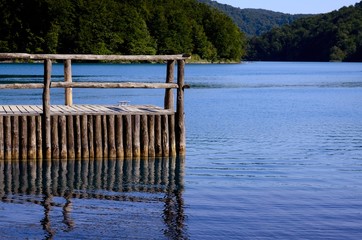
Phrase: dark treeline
(336, 36)
(119, 27)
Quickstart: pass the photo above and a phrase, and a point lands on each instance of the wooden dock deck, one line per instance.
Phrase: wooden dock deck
(83, 109)
(93, 131)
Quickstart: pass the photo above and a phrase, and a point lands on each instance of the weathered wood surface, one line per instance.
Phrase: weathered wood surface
(180, 118)
(46, 109)
(87, 136)
(91, 57)
(69, 85)
(112, 85)
(94, 131)
(169, 101)
(37, 110)
(68, 79)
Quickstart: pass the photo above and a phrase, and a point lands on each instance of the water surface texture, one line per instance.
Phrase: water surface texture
(274, 151)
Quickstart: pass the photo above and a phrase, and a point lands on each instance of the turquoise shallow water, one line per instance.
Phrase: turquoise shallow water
(274, 151)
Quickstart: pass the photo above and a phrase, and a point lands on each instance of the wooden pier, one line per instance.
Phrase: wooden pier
(93, 131)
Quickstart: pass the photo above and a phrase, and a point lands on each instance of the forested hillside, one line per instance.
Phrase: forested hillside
(255, 22)
(336, 36)
(119, 27)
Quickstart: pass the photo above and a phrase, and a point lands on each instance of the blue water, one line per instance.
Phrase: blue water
(274, 151)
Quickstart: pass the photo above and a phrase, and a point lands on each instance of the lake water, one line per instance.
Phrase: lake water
(274, 151)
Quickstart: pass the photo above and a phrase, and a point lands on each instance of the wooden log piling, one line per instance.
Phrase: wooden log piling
(77, 131)
(88, 136)
(32, 137)
(2, 149)
(180, 118)
(46, 109)
(68, 79)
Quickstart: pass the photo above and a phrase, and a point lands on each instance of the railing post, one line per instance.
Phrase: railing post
(169, 102)
(46, 109)
(68, 78)
(180, 118)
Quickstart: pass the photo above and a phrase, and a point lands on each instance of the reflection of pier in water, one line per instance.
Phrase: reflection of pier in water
(130, 180)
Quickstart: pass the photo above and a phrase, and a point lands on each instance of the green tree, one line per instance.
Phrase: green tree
(119, 27)
(327, 37)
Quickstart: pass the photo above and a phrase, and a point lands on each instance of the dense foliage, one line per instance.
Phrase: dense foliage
(119, 27)
(336, 36)
(255, 21)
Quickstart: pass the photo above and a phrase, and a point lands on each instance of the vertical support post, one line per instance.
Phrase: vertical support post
(144, 136)
(63, 137)
(77, 137)
(165, 136)
(90, 126)
(32, 137)
(112, 153)
(128, 135)
(98, 147)
(180, 115)
(119, 137)
(15, 137)
(70, 137)
(39, 137)
(151, 136)
(54, 137)
(7, 137)
(84, 136)
(46, 109)
(1, 138)
(136, 147)
(23, 129)
(169, 104)
(68, 78)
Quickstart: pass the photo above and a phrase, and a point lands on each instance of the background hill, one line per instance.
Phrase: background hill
(255, 22)
(335, 36)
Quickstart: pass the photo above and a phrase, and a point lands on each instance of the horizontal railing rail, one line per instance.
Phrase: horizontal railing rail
(91, 57)
(90, 85)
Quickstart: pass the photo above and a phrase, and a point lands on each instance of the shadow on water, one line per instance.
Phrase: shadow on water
(61, 184)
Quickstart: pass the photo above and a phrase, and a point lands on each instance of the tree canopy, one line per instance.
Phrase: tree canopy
(119, 27)
(335, 36)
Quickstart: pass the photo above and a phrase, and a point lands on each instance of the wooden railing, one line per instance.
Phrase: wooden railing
(68, 84)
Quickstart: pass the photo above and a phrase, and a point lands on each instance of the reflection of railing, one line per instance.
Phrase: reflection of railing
(129, 180)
